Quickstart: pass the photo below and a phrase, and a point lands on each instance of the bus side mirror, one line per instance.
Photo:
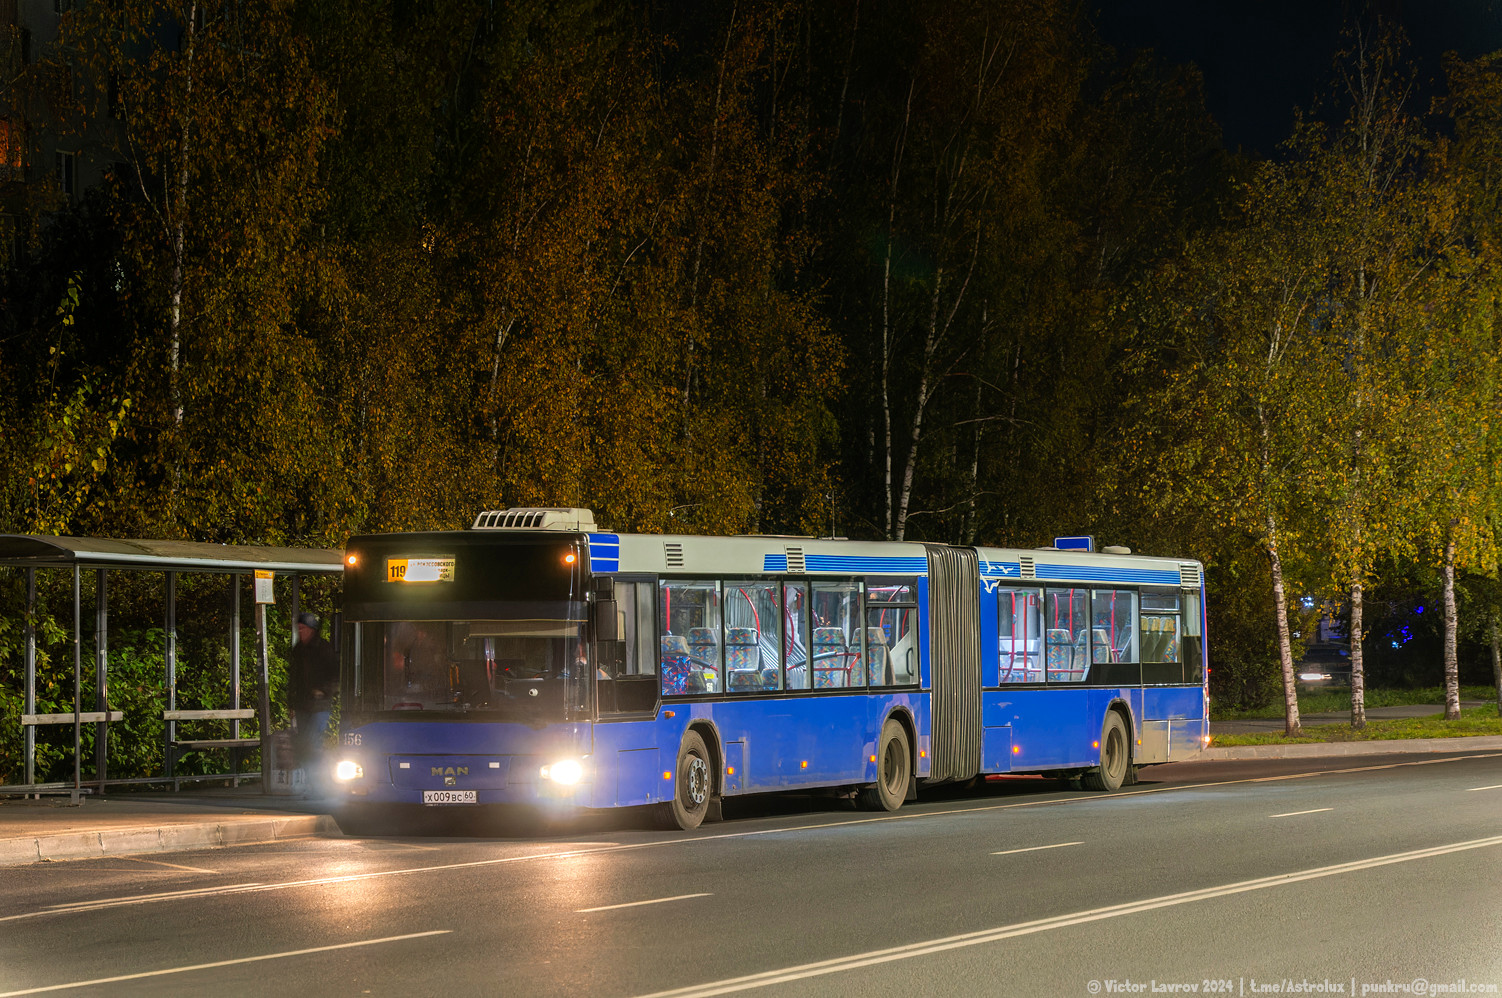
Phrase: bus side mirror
(605, 618)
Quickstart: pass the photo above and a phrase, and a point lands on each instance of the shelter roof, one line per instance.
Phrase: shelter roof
(34, 551)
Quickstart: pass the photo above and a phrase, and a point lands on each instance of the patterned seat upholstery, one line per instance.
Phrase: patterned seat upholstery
(678, 674)
(875, 666)
(1100, 646)
(831, 667)
(743, 660)
(1060, 654)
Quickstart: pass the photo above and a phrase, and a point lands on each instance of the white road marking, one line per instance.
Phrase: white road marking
(170, 866)
(942, 944)
(163, 896)
(219, 963)
(662, 843)
(1495, 787)
(634, 904)
(1291, 814)
(1056, 845)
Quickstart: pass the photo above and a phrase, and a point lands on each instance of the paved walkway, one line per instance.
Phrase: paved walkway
(120, 824)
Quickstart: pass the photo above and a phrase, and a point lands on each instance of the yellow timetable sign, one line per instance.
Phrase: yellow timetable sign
(419, 570)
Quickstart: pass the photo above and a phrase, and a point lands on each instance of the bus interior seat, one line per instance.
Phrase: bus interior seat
(830, 669)
(1101, 649)
(1060, 653)
(876, 654)
(677, 674)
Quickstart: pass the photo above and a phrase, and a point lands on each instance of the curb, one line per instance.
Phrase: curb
(166, 838)
(1314, 750)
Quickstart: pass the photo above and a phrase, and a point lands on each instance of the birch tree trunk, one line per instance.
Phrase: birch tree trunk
(1452, 666)
(1497, 661)
(1291, 727)
(1358, 666)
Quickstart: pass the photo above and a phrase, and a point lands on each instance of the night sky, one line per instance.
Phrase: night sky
(1262, 58)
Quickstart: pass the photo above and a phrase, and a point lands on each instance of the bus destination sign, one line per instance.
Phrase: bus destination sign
(419, 569)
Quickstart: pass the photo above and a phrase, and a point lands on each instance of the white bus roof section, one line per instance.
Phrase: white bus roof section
(685, 555)
(33, 551)
(1044, 566)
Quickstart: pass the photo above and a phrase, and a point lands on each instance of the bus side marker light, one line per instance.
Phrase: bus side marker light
(667, 774)
(805, 764)
(923, 753)
(1016, 749)
(669, 713)
(495, 765)
(404, 765)
(730, 770)
(873, 758)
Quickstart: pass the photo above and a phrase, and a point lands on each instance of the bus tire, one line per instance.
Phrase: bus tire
(1115, 756)
(693, 786)
(894, 770)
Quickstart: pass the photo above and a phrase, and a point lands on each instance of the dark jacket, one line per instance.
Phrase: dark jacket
(313, 675)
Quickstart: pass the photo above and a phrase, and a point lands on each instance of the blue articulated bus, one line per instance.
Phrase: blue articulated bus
(535, 659)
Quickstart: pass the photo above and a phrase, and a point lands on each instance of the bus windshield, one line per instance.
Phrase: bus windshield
(527, 667)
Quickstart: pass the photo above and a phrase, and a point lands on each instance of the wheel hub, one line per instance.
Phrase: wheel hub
(696, 781)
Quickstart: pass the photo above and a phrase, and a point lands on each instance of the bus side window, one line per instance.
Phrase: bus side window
(797, 675)
(690, 647)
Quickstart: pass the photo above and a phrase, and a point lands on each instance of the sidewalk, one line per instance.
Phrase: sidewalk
(123, 824)
(1400, 746)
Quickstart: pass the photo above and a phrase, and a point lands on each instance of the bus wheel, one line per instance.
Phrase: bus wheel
(894, 769)
(1115, 756)
(692, 788)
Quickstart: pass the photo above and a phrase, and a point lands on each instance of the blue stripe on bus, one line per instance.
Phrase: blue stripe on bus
(604, 552)
(1087, 573)
(847, 563)
(863, 563)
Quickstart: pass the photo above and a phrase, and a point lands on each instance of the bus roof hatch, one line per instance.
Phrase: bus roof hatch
(536, 518)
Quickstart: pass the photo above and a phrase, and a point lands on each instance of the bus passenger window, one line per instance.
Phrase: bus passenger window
(690, 646)
(795, 665)
(1019, 618)
(1067, 638)
(837, 639)
(1112, 637)
(891, 657)
(753, 636)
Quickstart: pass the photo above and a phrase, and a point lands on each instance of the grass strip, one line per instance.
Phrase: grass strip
(1329, 701)
(1473, 721)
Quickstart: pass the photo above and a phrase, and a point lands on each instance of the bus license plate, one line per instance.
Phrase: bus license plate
(449, 797)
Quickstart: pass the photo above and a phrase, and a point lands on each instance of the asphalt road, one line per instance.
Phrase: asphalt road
(1224, 878)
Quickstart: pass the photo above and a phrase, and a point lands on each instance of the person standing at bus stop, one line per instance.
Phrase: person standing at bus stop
(313, 681)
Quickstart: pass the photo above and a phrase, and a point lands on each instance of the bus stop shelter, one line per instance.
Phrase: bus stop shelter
(102, 556)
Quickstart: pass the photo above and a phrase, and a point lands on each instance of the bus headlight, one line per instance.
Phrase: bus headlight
(347, 769)
(565, 771)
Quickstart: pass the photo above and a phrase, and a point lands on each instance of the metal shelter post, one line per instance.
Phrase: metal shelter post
(101, 675)
(170, 653)
(31, 673)
(234, 676)
(77, 679)
(264, 660)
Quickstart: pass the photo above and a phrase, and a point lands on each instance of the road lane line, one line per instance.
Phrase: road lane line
(1056, 845)
(1292, 814)
(170, 866)
(782, 830)
(858, 960)
(1496, 787)
(162, 896)
(219, 963)
(635, 904)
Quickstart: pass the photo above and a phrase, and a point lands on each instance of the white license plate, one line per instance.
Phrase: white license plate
(450, 797)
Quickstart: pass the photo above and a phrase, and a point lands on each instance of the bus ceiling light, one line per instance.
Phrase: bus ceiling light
(565, 771)
(352, 560)
(569, 558)
(347, 769)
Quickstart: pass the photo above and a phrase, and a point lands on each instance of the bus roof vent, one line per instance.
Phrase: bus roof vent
(533, 518)
(795, 561)
(1115, 549)
(1028, 568)
(673, 551)
(1189, 576)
